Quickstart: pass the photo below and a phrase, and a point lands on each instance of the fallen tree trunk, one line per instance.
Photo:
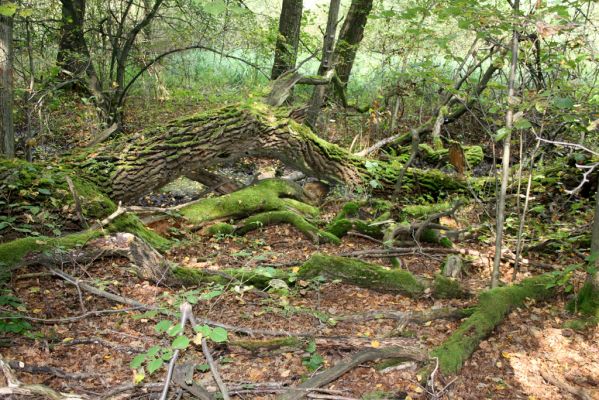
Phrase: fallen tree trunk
(130, 167)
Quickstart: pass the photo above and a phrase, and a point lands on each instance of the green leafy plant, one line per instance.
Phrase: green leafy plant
(314, 360)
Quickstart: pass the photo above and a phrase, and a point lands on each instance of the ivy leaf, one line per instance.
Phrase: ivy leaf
(137, 361)
(203, 367)
(152, 351)
(219, 335)
(162, 326)
(564, 103)
(203, 329)
(181, 342)
(8, 9)
(211, 295)
(154, 365)
(174, 330)
(502, 134)
(522, 123)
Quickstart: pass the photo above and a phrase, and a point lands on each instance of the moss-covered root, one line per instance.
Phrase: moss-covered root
(586, 304)
(493, 306)
(375, 277)
(266, 195)
(348, 219)
(278, 217)
(11, 253)
(258, 277)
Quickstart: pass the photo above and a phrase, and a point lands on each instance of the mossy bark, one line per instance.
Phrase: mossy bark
(257, 277)
(493, 306)
(266, 195)
(34, 190)
(276, 217)
(129, 167)
(375, 277)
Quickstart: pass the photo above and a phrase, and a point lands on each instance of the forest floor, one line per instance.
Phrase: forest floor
(95, 351)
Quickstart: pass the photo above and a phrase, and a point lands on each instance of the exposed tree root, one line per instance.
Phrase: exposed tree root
(493, 306)
(375, 277)
(338, 343)
(276, 217)
(578, 392)
(341, 368)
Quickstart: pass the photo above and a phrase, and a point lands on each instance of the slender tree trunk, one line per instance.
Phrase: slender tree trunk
(595, 237)
(325, 63)
(288, 39)
(7, 131)
(505, 165)
(350, 36)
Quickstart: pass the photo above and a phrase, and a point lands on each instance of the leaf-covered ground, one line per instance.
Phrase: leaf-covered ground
(95, 351)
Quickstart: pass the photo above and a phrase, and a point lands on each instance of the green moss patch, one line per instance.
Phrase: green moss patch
(493, 306)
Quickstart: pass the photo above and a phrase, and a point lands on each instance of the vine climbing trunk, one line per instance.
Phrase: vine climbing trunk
(350, 36)
(288, 39)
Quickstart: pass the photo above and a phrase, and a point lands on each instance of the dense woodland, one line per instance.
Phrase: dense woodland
(326, 199)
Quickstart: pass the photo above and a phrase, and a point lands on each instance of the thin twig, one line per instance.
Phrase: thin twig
(214, 370)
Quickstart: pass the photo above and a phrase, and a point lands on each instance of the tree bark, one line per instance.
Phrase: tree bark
(325, 63)
(505, 167)
(132, 166)
(7, 131)
(288, 39)
(350, 36)
(595, 231)
(73, 54)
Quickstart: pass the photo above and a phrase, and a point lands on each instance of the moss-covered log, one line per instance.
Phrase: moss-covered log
(378, 278)
(131, 166)
(493, 306)
(474, 154)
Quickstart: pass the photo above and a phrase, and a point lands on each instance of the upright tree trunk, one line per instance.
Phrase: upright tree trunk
(325, 63)
(7, 132)
(350, 36)
(288, 39)
(73, 53)
(505, 166)
(595, 243)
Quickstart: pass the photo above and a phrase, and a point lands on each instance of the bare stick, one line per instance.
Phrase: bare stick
(185, 312)
(214, 370)
(78, 208)
(329, 375)
(565, 386)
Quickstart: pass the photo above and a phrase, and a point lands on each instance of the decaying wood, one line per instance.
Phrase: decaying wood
(15, 387)
(342, 367)
(148, 263)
